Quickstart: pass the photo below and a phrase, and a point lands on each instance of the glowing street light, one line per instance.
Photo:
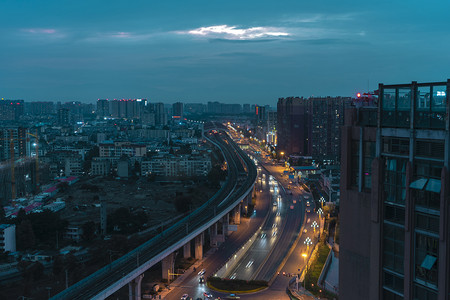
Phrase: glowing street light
(322, 201)
(314, 225)
(320, 212)
(307, 242)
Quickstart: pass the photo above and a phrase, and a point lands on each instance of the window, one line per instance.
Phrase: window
(430, 107)
(430, 148)
(394, 213)
(427, 222)
(398, 146)
(396, 107)
(392, 282)
(393, 247)
(426, 259)
(422, 293)
(395, 180)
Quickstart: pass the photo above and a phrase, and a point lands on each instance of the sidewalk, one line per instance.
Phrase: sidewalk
(301, 293)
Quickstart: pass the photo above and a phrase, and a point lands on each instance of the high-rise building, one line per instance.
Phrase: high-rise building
(160, 114)
(246, 109)
(11, 110)
(310, 127)
(195, 108)
(127, 108)
(15, 139)
(327, 119)
(394, 206)
(261, 114)
(40, 108)
(103, 108)
(177, 110)
(63, 116)
(294, 126)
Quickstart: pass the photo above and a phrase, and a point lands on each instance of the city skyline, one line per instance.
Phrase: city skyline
(253, 52)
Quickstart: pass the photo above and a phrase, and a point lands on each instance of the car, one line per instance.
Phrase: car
(201, 279)
(207, 295)
(202, 271)
(232, 296)
(185, 297)
(307, 203)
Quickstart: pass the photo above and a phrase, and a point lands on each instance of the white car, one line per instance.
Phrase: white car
(184, 297)
(202, 271)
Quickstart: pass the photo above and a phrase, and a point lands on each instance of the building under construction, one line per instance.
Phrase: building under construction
(18, 182)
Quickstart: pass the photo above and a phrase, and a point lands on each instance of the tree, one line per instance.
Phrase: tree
(2, 214)
(25, 235)
(88, 231)
(183, 203)
(93, 152)
(58, 265)
(37, 270)
(47, 226)
(63, 186)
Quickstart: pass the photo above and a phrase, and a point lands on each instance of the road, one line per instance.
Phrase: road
(274, 248)
(110, 278)
(211, 263)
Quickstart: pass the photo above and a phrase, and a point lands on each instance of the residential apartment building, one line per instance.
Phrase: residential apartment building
(11, 110)
(102, 108)
(8, 237)
(117, 149)
(100, 167)
(74, 166)
(174, 166)
(394, 208)
(14, 140)
(327, 119)
(294, 126)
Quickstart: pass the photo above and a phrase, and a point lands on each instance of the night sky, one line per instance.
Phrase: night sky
(230, 51)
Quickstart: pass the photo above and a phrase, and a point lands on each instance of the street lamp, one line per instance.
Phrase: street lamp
(314, 225)
(320, 212)
(322, 201)
(307, 242)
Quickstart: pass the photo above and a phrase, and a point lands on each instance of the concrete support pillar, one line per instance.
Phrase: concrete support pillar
(237, 214)
(187, 250)
(225, 223)
(245, 205)
(168, 265)
(134, 288)
(198, 242)
(213, 235)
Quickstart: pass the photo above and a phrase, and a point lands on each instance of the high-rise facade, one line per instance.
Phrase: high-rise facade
(394, 208)
(40, 108)
(160, 114)
(102, 108)
(294, 126)
(63, 117)
(127, 108)
(11, 110)
(327, 119)
(14, 140)
(177, 110)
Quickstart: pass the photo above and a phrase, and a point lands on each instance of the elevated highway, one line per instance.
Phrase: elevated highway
(129, 268)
